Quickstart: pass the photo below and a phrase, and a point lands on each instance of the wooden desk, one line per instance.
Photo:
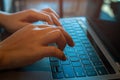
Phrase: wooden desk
(61, 8)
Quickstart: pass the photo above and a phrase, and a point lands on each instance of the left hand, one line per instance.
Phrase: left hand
(14, 21)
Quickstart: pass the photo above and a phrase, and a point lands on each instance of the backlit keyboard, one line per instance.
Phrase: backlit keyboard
(82, 59)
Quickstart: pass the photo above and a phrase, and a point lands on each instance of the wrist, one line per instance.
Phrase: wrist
(2, 18)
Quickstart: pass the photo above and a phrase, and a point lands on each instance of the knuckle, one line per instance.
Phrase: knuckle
(31, 26)
(53, 16)
(54, 49)
(56, 52)
(49, 17)
(32, 11)
(58, 32)
(49, 9)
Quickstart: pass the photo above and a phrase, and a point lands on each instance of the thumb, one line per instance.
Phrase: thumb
(52, 51)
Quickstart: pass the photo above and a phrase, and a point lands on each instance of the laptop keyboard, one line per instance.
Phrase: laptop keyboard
(82, 60)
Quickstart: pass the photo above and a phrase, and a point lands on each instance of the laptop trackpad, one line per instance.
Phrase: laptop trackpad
(41, 65)
(37, 71)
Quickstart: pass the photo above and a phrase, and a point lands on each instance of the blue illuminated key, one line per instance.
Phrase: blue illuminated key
(76, 64)
(58, 75)
(73, 59)
(79, 71)
(101, 70)
(91, 72)
(68, 71)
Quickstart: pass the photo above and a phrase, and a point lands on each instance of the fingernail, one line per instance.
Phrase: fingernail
(63, 58)
(73, 44)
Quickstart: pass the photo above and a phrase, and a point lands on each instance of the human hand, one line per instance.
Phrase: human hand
(30, 44)
(14, 21)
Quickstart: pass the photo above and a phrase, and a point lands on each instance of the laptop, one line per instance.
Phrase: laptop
(95, 56)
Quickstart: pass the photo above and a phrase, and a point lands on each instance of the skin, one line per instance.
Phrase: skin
(14, 21)
(27, 44)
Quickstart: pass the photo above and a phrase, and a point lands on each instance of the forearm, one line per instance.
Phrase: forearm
(4, 56)
(1, 58)
(5, 60)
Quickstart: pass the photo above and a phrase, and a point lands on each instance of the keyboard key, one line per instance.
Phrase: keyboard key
(54, 63)
(74, 37)
(101, 70)
(53, 59)
(76, 23)
(59, 75)
(77, 40)
(95, 59)
(91, 72)
(86, 62)
(78, 45)
(89, 49)
(72, 54)
(65, 62)
(53, 68)
(78, 48)
(76, 64)
(68, 21)
(68, 71)
(73, 59)
(59, 69)
(92, 54)
(73, 20)
(80, 35)
(79, 31)
(85, 41)
(72, 34)
(98, 63)
(79, 71)
(70, 50)
(87, 45)
(88, 67)
(83, 38)
(85, 56)
(82, 52)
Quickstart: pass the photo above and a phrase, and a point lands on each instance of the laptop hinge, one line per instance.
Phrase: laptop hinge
(118, 64)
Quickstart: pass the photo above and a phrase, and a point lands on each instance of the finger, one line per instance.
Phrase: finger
(45, 26)
(59, 35)
(54, 18)
(43, 17)
(51, 11)
(53, 35)
(67, 37)
(61, 41)
(33, 16)
(51, 51)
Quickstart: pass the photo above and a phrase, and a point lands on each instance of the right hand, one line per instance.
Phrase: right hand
(30, 44)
